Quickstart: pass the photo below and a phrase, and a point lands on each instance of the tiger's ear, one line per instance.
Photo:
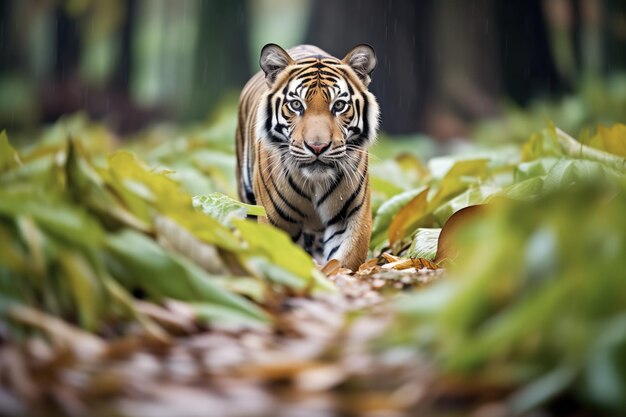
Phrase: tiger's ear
(362, 59)
(273, 60)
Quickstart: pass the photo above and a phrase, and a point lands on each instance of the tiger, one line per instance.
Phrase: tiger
(305, 125)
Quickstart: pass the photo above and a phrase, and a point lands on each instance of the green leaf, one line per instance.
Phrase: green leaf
(571, 147)
(276, 246)
(168, 197)
(499, 334)
(470, 197)
(536, 168)
(541, 145)
(9, 158)
(385, 187)
(85, 286)
(409, 217)
(269, 270)
(13, 255)
(459, 177)
(386, 213)
(250, 287)
(88, 187)
(224, 209)
(66, 222)
(138, 261)
(524, 190)
(569, 171)
(424, 244)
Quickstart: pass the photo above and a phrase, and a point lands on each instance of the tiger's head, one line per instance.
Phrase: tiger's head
(318, 112)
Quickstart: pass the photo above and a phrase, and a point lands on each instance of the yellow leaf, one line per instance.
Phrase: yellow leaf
(389, 257)
(455, 179)
(85, 286)
(408, 216)
(9, 157)
(612, 139)
(331, 268)
(417, 263)
(276, 246)
(131, 178)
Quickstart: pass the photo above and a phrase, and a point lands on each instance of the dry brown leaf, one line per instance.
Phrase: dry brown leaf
(369, 267)
(169, 319)
(408, 215)
(279, 370)
(446, 247)
(390, 258)
(331, 268)
(83, 344)
(320, 378)
(417, 263)
(14, 369)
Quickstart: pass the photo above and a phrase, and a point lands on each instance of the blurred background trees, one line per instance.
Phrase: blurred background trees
(442, 64)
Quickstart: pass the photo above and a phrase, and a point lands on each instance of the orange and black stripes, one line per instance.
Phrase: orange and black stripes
(322, 201)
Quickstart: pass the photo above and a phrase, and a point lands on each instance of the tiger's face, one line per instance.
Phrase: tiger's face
(318, 112)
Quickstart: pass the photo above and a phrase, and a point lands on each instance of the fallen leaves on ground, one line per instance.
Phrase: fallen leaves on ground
(122, 293)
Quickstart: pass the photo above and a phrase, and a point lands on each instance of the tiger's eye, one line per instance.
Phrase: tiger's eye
(295, 105)
(339, 106)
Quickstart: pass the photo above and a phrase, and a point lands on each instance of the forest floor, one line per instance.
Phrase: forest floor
(132, 285)
(319, 360)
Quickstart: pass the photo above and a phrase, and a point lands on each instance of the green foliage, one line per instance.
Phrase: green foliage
(271, 251)
(82, 228)
(225, 209)
(533, 304)
(596, 103)
(139, 262)
(536, 288)
(424, 244)
(9, 158)
(549, 160)
(387, 211)
(536, 296)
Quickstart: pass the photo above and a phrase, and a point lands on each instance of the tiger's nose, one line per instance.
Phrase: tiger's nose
(317, 147)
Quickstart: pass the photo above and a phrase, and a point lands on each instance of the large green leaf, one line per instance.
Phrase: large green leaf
(224, 209)
(568, 171)
(459, 177)
(470, 197)
(424, 244)
(524, 190)
(268, 242)
(575, 149)
(85, 286)
(88, 187)
(67, 222)
(167, 197)
(141, 263)
(408, 217)
(532, 169)
(387, 211)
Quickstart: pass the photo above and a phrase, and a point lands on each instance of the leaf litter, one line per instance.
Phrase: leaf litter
(123, 294)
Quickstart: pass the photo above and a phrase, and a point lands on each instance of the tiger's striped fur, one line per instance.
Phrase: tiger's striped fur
(303, 155)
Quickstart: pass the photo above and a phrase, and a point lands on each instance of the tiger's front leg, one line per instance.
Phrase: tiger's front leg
(347, 240)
